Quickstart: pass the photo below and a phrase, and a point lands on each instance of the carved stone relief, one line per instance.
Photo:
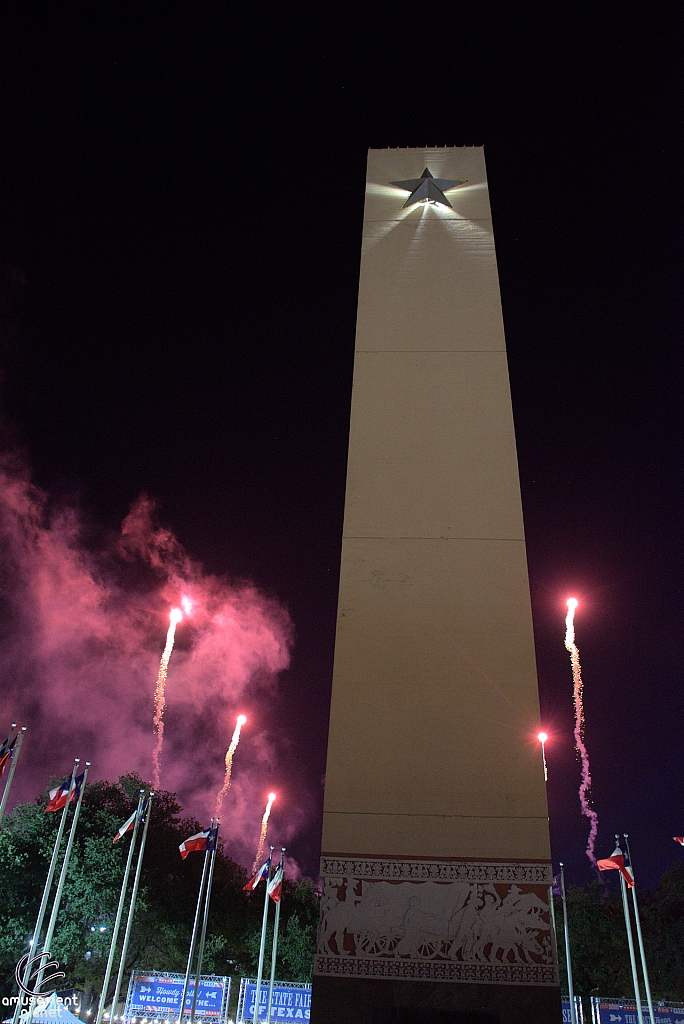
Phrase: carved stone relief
(438, 920)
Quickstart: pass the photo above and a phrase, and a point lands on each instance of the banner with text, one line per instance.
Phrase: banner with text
(158, 996)
(291, 1001)
(622, 1013)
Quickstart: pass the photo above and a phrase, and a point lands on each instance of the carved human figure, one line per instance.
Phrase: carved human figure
(463, 938)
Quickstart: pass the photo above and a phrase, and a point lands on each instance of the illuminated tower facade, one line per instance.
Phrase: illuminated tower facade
(436, 861)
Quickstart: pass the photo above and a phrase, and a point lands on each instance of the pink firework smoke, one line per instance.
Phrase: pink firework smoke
(82, 608)
(229, 764)
(175, 617)
(585, 785)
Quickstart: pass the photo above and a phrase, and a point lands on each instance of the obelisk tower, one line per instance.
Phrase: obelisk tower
(436, 862)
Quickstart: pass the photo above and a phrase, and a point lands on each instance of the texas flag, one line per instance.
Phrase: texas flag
(274, 888)
(616, 861)
(263, 872)
(201, 841)
(126, 827)
(6, 751)
(58, 797)
(679, 839)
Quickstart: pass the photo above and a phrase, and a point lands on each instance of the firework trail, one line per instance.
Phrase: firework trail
(159, 704)
(229, 764)
(262, 837)
(543, 737)
(585, 785)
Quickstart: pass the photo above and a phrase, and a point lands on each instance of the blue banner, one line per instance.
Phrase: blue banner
(290, 1002)
(615, 1013)
(157, 994)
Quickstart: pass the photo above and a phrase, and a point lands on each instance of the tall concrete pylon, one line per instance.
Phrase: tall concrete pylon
(435, 858)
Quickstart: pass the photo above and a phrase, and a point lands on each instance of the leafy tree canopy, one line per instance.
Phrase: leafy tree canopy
(166, 902)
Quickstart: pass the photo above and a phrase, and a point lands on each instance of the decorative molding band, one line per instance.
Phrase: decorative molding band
(483, 922)
(530, 872)
(476, 974)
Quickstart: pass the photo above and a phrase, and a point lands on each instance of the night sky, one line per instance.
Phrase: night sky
(181, 201)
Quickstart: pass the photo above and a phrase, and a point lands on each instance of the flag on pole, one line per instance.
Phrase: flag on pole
(201, 841)
(556, 886)
(6, 751)
(126, 827)
(274, 888)
(263, 872)
(616, 862)
(679, 839)
(58, 797)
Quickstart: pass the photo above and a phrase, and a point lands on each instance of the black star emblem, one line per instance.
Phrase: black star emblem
(427, 189)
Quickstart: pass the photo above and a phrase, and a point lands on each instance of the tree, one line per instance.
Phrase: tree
(296, 939)
(598, 943)
(663, 926)
(167, 897)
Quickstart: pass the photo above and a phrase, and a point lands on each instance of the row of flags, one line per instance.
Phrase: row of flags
(201, 842)
(70, 791)
(616, 862)
(205, 842)
(274, 886)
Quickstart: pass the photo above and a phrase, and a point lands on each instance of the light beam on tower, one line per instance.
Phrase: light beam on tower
(175, 617)
(229, 764)
(585, 783)
(262, 836)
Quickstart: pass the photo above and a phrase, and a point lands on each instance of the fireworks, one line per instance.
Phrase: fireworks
(543, 737)
(229, 764)
(174, 618)
(585, 784)
(262, 837)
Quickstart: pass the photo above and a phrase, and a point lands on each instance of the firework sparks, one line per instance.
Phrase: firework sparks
(585, 784)
(543, 737)
(159, 704)
(262, 837)
(229, 763)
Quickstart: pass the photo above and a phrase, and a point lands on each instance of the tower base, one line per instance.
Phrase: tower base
(389, 1001)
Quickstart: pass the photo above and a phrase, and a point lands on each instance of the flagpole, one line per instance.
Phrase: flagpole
(630, 940)
(262, 946)
(568, 961)
(203, 934)
(193, 939)
(46, 890)
(640, 937)
(13, 768)
(275, 942)
(553, 918)
(119, 915)
(60, 883)
(131, 909)
(65, 867)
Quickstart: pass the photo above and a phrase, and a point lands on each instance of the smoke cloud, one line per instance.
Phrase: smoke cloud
(83, 624)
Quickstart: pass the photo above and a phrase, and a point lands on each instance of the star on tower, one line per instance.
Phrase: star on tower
(427, 189)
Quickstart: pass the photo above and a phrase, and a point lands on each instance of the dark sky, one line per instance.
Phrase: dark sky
(181, 198)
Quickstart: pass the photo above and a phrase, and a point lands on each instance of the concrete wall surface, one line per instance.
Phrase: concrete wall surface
(436, 859)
